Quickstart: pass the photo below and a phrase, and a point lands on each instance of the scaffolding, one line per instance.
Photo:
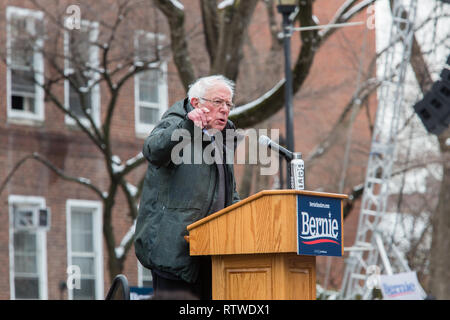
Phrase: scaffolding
(369, 248)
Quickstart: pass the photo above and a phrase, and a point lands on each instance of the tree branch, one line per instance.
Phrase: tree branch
(356, 101)
(210, 27)
(36, 156)
(265, 107)
(175, 17)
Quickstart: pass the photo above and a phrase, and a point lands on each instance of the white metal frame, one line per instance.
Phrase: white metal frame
(41, 245)
(96, 207)
(38, 67)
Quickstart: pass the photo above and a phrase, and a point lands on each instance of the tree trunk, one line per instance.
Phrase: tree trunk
(233, 24)
(440, 253)
(178, 41)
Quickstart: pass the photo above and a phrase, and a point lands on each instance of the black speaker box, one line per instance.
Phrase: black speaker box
(445, 76)
(440, 102)
(429, 111)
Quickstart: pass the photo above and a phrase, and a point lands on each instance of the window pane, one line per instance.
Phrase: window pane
(25, 242)
(22, 81)
(148, 86)
(81, 219)
(79, 57)
(81, 229)
(22, 41)
(75, 102)
(25, 263)
(146, 273)
(146, 48)
(22, 103)
(25, 255)
(26, 288)
(79, 47)
(23, 90)
(86, 265)
(147, 277)
(147, 283)
(86, 291)
(22, 55)
(148, 115)
(82, 242)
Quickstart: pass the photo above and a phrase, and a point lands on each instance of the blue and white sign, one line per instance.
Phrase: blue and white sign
(141, 293)
(319, 226)
(401, 286)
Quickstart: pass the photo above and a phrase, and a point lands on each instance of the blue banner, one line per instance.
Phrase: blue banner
(141, 293)
(319, 226)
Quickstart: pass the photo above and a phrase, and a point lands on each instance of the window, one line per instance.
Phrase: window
(145, 278)
(82, 96)
(150, 85)
(25, 64)
(84, 241)
(27, 249)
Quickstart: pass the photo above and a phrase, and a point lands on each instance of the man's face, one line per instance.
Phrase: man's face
(215, 100)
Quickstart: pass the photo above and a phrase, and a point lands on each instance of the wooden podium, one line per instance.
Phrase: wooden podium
(253, 248)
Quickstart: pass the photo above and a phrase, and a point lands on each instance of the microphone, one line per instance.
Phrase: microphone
(266, 141)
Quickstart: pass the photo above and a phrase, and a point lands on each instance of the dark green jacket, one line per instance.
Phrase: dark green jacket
(175, 196)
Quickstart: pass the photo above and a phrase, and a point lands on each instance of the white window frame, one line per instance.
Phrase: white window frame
(96, 207)
(95, 91)
(41, 245)
(38, 64)
(143, 129)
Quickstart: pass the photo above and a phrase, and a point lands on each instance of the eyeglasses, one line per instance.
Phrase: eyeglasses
(219, 102)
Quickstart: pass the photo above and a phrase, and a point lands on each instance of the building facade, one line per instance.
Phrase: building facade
(66, 257)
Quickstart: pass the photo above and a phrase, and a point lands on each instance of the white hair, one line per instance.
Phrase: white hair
(201, 85)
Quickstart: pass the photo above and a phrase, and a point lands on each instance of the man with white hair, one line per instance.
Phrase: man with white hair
(177, 194)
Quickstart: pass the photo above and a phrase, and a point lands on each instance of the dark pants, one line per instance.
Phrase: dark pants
(171, 289)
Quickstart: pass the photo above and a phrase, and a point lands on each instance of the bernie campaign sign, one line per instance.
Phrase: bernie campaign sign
(401, 286)
(319, 226)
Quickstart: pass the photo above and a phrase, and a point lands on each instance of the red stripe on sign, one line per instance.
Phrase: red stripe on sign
(320, 241)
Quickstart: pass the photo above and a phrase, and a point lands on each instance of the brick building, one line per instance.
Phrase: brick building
(34, 262)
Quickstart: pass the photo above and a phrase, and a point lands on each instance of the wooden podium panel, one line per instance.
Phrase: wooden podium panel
(284, 276)
(253, 248)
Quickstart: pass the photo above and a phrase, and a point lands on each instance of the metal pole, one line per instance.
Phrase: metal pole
(281, 159)
(288, 87)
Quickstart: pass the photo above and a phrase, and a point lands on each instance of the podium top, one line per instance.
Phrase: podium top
(259, 195)
(265, 222)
